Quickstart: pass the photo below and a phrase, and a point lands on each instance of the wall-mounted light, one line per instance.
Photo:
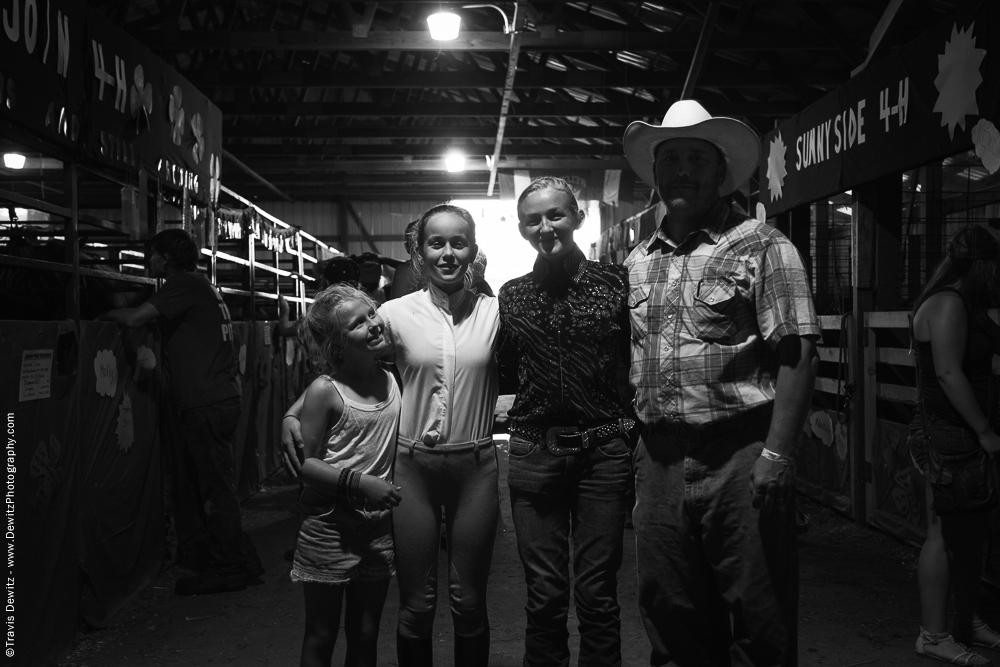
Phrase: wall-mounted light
(13, 161)
(454, 161)
(444, 26)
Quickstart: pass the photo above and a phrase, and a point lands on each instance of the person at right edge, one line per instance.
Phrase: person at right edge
(955, 341)
(723, 364)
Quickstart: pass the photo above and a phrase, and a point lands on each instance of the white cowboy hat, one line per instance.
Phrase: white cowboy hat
(686, 119)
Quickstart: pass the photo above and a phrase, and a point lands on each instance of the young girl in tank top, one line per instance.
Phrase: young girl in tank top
(349, 427)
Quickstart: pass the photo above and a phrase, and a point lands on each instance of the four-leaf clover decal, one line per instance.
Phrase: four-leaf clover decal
(176, 116)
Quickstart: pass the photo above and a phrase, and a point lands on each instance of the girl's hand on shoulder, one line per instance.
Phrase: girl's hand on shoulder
(379, 492)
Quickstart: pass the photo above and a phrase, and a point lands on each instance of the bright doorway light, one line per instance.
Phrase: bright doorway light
(444, 26)
(13, 161)
(454, 161)
(508, 255)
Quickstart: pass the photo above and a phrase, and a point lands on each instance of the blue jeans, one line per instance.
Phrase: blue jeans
(553, 499)
(718, 581)
(207, 434)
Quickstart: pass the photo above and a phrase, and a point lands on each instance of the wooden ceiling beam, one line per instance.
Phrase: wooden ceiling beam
(820, 15)
(197, 40)
(231, 133)
(635, 110)
(274, 168)
(245, 152)
(716, 76)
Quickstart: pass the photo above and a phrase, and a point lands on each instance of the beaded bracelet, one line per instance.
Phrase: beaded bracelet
(777, 458)
(343, 482)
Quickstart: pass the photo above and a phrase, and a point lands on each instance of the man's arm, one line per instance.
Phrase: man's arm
(773, 480)
(133, 318)
(285, 328)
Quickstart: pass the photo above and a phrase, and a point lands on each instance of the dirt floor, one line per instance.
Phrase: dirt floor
(858, 603)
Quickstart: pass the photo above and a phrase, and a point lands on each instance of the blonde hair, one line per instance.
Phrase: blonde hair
(552, 183)
(322, 331)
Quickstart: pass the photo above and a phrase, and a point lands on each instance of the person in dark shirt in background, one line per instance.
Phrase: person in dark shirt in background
(405, 280)
(563, 327)
(199, 357)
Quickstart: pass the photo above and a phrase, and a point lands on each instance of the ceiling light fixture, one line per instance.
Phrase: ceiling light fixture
(506, 23)
(444, 26)
(454, 161)
(13, 161)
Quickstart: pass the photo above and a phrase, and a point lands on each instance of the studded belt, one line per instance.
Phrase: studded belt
(565, 440)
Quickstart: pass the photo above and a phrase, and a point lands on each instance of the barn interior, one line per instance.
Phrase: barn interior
(324, 128)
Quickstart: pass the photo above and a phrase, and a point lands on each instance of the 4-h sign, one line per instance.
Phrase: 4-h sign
(74, 79)
(927, 102)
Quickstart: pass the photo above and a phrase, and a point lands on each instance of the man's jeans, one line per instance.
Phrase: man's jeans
(718, 581)
(207, 439)
(555, 499)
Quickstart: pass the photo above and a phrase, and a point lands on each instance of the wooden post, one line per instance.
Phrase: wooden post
(886, 204)
(70, 188)
(875, 231)
(342, 224)
(800, 233)
(300, 284)
(252, 257)
(783, 223)
(935, 235)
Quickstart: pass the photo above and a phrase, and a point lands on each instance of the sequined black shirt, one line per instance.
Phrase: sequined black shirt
(562, 333)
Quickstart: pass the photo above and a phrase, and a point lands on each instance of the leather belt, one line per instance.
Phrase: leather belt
(685, 434)
(565, 440)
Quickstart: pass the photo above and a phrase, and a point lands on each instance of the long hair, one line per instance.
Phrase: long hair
(551, 183)
(322, 331)
(972, 262)
(418, 236)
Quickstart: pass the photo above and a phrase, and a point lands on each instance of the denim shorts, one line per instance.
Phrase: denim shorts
(343, 545)
(945, 436)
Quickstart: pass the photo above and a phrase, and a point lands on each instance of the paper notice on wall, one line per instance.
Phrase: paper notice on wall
(106, 372)
(36, 375)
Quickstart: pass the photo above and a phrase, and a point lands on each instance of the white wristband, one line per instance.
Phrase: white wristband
(777, 458)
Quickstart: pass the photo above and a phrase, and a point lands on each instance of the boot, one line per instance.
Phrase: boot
(473, 651)
(414, 652)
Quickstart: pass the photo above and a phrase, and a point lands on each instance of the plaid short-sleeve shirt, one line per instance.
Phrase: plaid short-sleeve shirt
(707, 316)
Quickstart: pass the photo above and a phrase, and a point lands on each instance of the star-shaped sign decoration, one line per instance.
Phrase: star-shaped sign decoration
(958, 78)
(776, 167)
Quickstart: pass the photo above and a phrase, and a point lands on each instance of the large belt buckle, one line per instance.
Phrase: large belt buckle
(560, 444)
(682, 434)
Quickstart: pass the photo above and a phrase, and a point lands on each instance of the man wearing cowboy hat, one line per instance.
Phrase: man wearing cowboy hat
(723, 363)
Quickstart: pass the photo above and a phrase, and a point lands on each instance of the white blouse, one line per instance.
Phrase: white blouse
(443, 346)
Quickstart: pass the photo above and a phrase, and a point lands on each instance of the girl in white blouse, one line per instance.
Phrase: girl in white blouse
(442, 340)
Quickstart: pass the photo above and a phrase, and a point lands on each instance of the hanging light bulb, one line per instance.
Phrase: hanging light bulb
(13, 161)
(444, 26)
(454, 161)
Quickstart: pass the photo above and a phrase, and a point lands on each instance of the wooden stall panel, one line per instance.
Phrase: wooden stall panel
(823, 470)
(264, 415)
(894, 487)
(38, 392)
(121, 497)
(245, 439)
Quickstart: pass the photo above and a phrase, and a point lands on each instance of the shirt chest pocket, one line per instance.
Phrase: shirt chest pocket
(638, 311)
(714, 314)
